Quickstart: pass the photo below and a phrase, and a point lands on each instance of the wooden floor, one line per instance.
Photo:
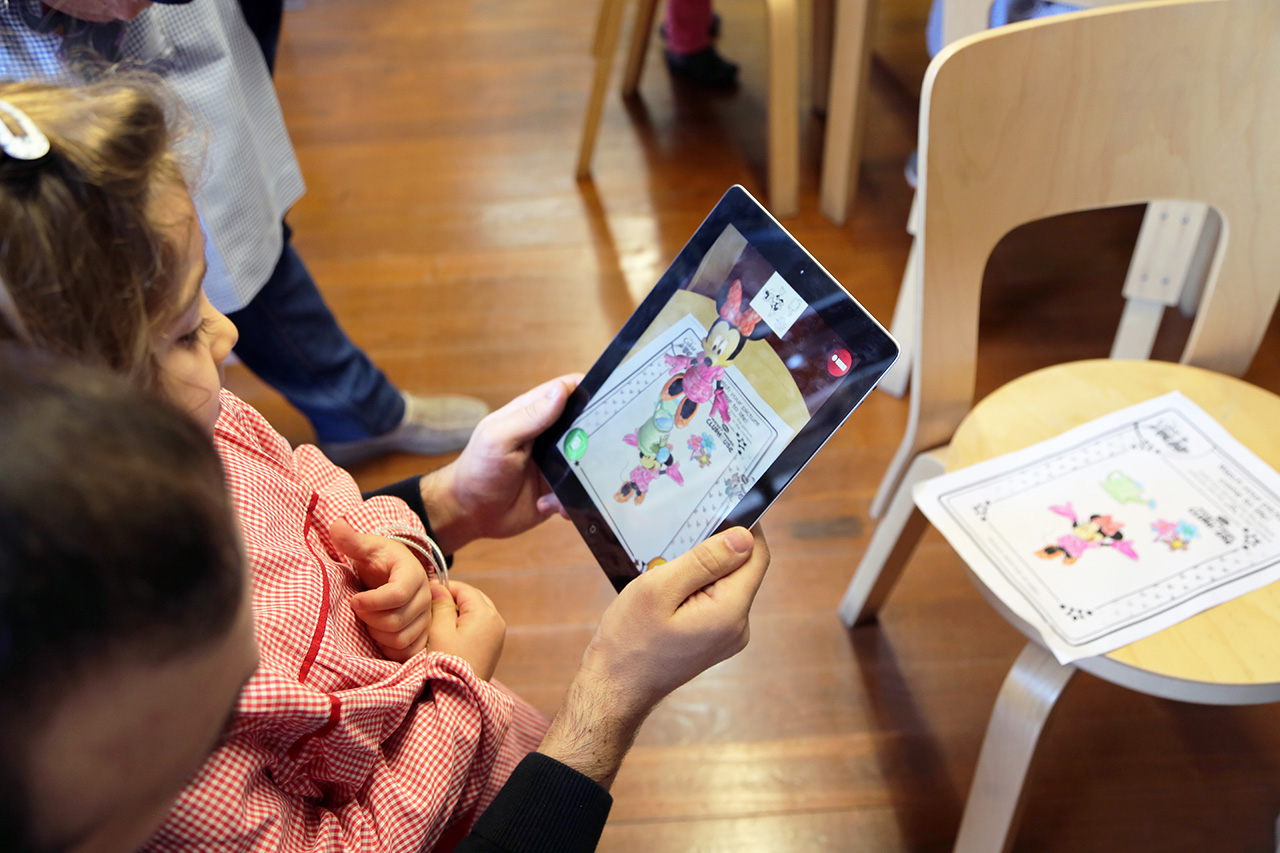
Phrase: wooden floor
(443, 224)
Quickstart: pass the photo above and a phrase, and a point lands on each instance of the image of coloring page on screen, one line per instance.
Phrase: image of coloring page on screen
(701, 406)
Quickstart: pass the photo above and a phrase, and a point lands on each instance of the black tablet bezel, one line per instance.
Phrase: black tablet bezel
(859, 331)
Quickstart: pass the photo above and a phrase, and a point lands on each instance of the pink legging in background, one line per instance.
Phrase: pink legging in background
(688, 26)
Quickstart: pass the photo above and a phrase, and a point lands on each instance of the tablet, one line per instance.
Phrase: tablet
(731, 374)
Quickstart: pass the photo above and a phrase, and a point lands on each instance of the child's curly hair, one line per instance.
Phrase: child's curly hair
(86, 271)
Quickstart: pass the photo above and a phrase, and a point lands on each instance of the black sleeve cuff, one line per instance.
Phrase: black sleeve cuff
(409, 491)
(545, 807)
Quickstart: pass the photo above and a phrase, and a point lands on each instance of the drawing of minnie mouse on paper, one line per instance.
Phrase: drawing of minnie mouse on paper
(1098, 531)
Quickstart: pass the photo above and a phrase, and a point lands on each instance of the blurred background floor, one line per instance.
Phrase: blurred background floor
(445, 228)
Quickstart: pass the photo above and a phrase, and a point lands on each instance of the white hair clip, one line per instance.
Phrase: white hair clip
(31, 145)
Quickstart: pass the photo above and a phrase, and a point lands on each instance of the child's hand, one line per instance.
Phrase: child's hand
(467, 624)
(396, 607)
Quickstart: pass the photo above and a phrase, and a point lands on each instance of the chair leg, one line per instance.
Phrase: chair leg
(823, 35)
(597, 38)
(906, 328)
(640, 33)
(891, 545)
(846, 107)
(608, 27)
(898, 465)
(903, 325)
(784, 108)
(1026, 701)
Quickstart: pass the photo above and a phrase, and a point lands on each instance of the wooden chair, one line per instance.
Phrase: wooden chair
(842, 149)
(1166, 99)
(1168, 266)
(784, 86)
(1229, 655)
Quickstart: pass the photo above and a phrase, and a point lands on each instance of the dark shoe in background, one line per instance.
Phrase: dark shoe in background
(705, 68)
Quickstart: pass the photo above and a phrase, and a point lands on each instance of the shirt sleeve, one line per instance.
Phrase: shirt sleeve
(306, 772)
(545, 807)
(409, 490)
(340, 496)
(337, 495)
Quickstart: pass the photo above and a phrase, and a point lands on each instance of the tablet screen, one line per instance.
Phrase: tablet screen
(728, 378)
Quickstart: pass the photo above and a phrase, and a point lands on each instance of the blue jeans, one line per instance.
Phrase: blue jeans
(263, 18)
(292, 341)
(1002, 12)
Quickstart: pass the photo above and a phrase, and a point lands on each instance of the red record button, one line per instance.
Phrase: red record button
(838, 362)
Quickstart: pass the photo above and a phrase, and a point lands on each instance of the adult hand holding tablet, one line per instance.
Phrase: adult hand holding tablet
(730, 375)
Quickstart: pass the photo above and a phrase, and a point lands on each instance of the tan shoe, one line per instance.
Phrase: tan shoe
(432, 424)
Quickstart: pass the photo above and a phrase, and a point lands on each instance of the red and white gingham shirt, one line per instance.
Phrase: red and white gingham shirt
(333, 746)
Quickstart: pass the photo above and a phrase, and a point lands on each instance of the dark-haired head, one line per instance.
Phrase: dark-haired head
(124, 634)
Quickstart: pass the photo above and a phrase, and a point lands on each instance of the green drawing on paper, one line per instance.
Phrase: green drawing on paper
(1125, 489)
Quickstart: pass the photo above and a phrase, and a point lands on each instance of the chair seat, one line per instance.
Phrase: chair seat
(1229, 654)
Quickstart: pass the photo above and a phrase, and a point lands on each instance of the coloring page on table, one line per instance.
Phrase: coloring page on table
(1118, 527)
(698, 472)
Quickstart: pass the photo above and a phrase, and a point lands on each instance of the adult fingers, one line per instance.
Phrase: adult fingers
(549, 505)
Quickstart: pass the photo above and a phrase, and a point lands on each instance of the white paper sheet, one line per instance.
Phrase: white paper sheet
(1118, 528)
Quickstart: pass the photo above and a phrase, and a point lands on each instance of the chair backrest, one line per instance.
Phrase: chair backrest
(1174, 99)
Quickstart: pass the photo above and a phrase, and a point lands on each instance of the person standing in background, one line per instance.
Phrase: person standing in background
(207, 53)
(690, 27)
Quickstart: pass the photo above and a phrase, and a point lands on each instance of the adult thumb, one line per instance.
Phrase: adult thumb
(707, 562)
(528, 415)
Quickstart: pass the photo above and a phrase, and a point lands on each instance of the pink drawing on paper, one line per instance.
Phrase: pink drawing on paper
(1175, 534)
(1096, 531)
